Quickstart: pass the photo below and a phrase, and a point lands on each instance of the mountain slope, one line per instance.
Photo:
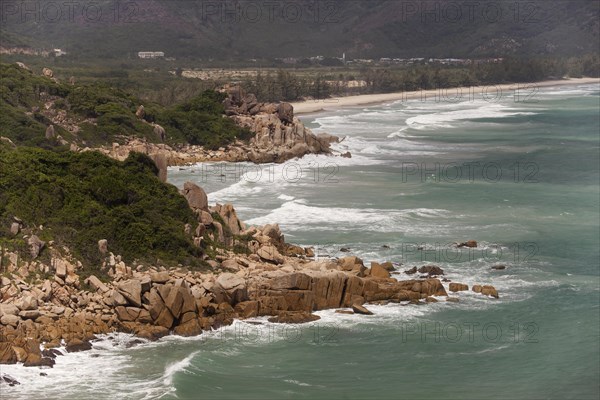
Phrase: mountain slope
(234, 29)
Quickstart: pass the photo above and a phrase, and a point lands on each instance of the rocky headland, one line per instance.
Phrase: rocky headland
(49, 300)
(278, 136)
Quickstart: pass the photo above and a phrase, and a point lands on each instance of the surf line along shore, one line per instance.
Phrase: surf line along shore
(491, 93)
(40, 317)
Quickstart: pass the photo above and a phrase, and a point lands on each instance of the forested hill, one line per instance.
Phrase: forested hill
(241, 30)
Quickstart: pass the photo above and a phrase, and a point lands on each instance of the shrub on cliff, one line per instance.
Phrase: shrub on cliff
(20, 92)
(113, 111)
(81, 198)
(201, 121)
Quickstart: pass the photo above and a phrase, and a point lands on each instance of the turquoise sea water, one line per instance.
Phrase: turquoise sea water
(520, 177)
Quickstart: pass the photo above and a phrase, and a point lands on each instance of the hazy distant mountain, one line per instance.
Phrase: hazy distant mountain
(239, 29)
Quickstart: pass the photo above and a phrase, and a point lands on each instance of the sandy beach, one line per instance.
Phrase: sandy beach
(525, 90)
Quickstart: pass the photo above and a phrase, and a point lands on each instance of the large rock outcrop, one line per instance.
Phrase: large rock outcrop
(279, 136)
(196, 197)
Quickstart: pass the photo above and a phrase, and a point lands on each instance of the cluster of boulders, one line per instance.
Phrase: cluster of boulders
(223, 229)
(56, 308)
(428, 270)
(151, 302)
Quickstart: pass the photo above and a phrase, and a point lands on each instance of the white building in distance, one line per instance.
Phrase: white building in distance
(151, 54)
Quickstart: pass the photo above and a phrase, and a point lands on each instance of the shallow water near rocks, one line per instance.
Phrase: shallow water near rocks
(532, 203)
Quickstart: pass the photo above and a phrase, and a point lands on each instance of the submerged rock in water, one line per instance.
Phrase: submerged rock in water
(489, 290)
(358, 309)
(76, 345)
(486, 290)
(458, 287)
(8, 380)
(431, 270)
(291, 317)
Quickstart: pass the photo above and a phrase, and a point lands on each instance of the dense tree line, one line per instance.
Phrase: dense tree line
(290, 86)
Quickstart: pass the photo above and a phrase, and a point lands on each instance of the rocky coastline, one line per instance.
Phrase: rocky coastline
(49, 301)
(279, 136)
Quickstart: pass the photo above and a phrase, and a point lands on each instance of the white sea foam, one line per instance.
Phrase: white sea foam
(368, 151)
(401, 133)
(296, 213)
(100, 372)
(446, 118)
(237, 190)
(570, 91)
(295, 382)
(259, 181)
(176, 367)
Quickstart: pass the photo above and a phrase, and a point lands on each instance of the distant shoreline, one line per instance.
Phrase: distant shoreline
(528, 89)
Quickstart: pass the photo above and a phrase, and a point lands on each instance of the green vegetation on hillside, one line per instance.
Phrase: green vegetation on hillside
(20, 103)
(104, 114)
(80, 198)
(200, 121)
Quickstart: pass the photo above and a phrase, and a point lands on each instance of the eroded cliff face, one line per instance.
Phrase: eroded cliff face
(49, 299)
(279, 136)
